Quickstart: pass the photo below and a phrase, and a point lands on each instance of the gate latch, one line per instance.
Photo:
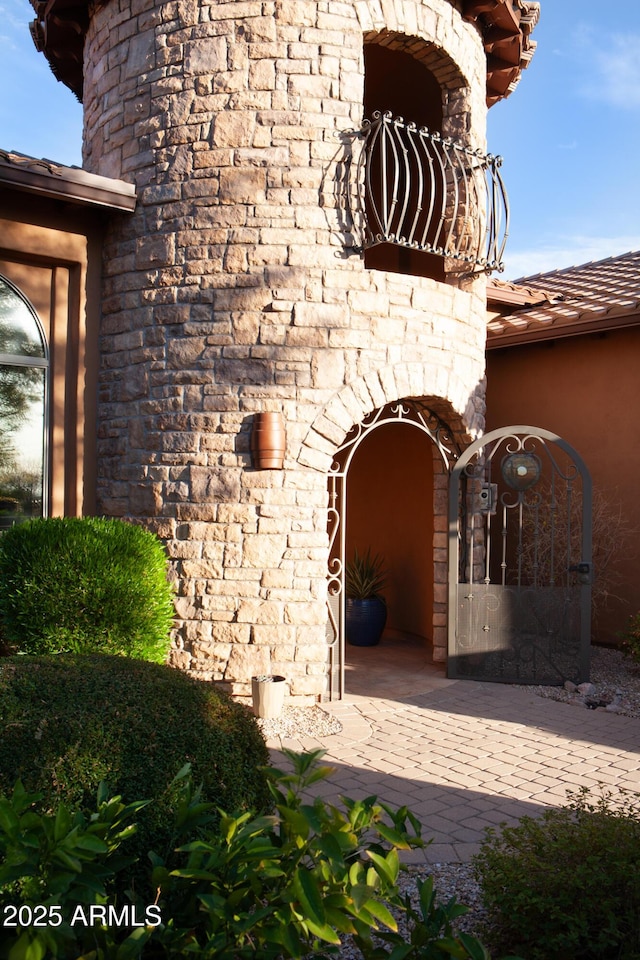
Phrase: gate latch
(583, 570)
(487, 498)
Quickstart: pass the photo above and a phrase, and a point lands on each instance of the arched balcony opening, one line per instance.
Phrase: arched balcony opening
(426, 201)
(397, 85)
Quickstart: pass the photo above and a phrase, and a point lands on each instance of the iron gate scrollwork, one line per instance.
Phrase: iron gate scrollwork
(520, 563)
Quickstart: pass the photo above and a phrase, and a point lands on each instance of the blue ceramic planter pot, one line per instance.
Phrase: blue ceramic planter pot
(365, 621)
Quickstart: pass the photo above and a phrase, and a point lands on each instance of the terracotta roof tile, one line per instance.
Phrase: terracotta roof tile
(601, 295)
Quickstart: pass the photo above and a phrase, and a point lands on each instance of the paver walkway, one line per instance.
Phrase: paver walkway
(464, 755)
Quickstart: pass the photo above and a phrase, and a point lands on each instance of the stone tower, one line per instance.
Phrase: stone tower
(250, 278)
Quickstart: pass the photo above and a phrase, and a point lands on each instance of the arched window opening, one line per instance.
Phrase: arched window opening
(24, 364)
(396, 83)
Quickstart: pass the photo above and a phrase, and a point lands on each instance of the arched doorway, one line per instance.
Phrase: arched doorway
(385, 482)
(398, 83)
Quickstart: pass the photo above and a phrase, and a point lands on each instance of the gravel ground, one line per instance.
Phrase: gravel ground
(297, 722)
(615, 680)
(615, 687)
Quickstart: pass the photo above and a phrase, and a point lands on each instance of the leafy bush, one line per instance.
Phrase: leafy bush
(84, 585)
(291, 885)
(54, 868)
(567, 884)
(296, 884)
(630, 637)
(72, 721)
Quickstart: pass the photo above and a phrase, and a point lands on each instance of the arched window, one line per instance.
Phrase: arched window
(24, 364)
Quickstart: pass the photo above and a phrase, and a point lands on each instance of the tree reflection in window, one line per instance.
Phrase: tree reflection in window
(24, 363)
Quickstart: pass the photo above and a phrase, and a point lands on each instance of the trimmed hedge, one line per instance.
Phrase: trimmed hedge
(71, 721)
(83, 585)
(567, 884)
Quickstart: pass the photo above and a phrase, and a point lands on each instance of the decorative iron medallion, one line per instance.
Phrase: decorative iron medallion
(521, 471)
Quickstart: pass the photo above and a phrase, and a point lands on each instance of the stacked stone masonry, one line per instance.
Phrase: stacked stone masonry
(235, 288)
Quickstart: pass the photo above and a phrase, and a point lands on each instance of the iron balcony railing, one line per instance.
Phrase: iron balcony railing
(421, 190)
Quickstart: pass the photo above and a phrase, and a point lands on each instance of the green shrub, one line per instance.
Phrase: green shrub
(567, 884)
(291, 885)
(85, 585)
(630, 637)
(54, 867)
(71, 721)
(298, 883)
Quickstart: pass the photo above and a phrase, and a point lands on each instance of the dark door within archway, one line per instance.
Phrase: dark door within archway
(520, 564)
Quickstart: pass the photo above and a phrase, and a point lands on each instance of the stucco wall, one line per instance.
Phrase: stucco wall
(585, 389)
(390, 511)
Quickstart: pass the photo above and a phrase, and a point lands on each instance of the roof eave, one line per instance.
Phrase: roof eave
(505, 27)
(528, 334)
(70, 184)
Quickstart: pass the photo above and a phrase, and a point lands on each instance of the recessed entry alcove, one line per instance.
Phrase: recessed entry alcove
(387, 495)
(390, 511)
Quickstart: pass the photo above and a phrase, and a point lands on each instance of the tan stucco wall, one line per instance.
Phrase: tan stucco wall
(52, 254)
(587, 390)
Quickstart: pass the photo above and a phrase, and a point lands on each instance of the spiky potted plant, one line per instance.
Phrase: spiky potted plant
(366, 607)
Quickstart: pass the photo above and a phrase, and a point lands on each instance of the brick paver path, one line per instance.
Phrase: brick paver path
(466, 755)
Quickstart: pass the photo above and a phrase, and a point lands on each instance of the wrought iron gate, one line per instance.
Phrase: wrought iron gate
(414, 413)
(520, 567)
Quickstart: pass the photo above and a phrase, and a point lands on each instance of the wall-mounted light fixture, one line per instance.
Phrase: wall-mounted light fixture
(268, 441)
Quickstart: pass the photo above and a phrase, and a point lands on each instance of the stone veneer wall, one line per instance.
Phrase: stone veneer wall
(234, 289)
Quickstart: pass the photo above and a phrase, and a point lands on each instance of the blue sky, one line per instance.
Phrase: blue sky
(569, 135)
(570, 138)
